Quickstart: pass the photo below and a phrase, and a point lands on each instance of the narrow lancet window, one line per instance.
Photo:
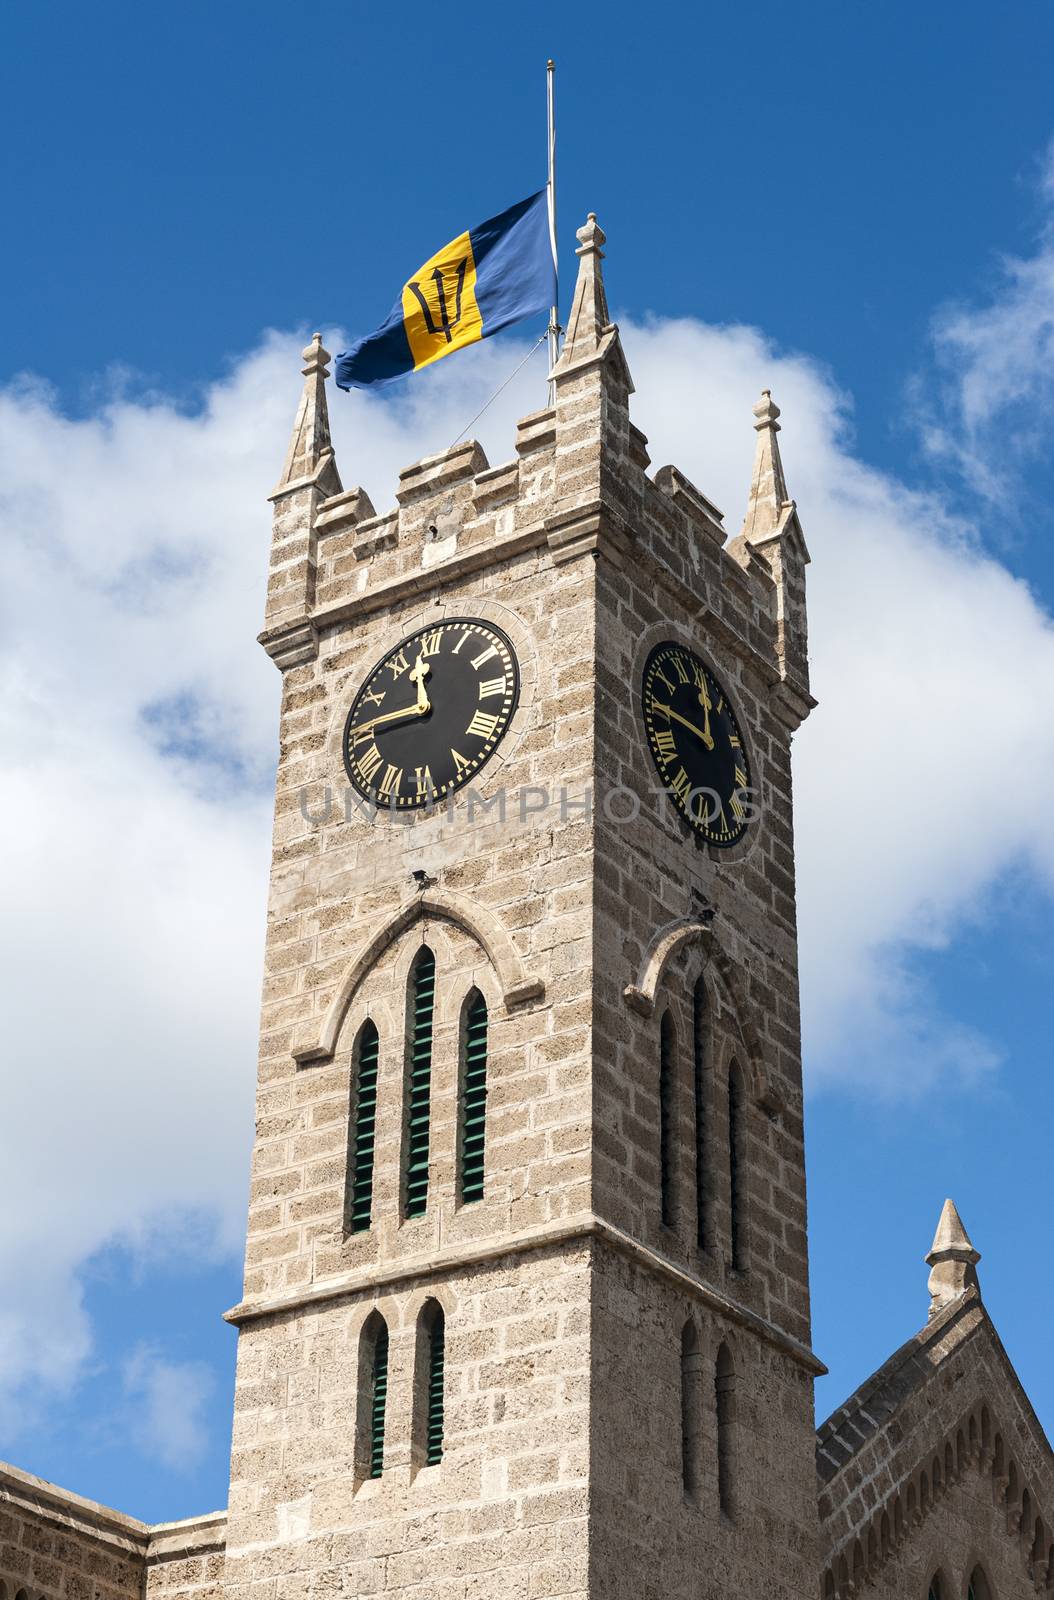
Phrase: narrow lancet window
(378, 1399)
(691, 1361)
(700, 1060)
(666, 1055)
(474, 1098)
(725, 1395)
(359, 1204)
(422, 1007)
(436, 1363)
(737, 1167)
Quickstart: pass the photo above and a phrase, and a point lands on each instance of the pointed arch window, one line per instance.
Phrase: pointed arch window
(435, 1409)
(666, 1061)
(691, 1411)
(473, 1129)
(725, 1396)
(700, 1063)
(363, 1131)
(373, 1397)
(737, 1167)
(422, 1010)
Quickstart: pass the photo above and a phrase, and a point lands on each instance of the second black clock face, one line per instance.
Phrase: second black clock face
(696, 743)
(431, 713)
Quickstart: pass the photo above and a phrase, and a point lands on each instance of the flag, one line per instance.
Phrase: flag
(484, 280)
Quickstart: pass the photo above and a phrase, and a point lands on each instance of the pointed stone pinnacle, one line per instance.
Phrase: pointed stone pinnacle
(310, 443)
(952, 1260)
(768, 486)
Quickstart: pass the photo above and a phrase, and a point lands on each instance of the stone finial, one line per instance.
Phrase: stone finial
(589, 321)
(768, 486)
(311, 443)
(952, 1260)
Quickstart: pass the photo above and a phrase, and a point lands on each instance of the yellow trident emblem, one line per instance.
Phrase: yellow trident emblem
(439, 304)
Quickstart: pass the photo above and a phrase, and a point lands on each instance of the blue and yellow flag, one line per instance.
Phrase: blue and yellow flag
(480, 282)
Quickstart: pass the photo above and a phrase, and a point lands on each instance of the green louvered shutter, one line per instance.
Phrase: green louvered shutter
(700, 1042)
(434, 1428)
(423, 1003)
(474, 1101)
(665, 1111)
(378, 1403)
(361, 1196)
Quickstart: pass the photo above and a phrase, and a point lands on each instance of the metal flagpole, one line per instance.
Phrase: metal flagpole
(554, 312)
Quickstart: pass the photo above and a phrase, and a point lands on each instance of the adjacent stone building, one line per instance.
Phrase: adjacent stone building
(526, 1307)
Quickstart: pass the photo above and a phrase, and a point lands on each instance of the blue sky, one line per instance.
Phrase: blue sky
(858, 202)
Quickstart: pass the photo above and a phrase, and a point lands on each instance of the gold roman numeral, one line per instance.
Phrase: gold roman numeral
(389, 784)
(741, 777)
(736, 808)
(431, 642)
(398, 664)
(482, 725)
(423, 780)
(369, 763)
(460, 764)
(679, 666)
(477, 661)
(460, 642)
(664, 743)
(491, 686)
(669, 686)
(374, 698)
(679, 783)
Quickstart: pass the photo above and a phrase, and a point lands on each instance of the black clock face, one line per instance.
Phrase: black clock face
(431, 713)
(696, 743)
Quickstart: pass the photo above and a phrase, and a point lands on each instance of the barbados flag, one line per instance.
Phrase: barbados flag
(482, 281)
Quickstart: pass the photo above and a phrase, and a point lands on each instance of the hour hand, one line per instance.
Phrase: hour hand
(422, 707)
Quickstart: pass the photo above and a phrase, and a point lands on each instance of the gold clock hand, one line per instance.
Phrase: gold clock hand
(422, 707)
(419, 672)
(668, 711)
(704, 701)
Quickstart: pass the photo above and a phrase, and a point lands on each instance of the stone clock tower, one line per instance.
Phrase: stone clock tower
(526, 1300)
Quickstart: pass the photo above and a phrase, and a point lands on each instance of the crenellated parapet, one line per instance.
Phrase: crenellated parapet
(578, 486)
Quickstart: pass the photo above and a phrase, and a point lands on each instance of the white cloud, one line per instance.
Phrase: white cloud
(166, 1416)
(137, 728)
(989, 416)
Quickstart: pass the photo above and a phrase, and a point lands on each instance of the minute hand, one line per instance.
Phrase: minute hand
(707, 738)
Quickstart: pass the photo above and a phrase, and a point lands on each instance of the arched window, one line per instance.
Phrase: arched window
(422, 1009)
(700, 1062)
(725, 1393)
(378, 1399)
(372, 1397)
(737, 1166)
(473, 1121)
(935, 1590)
(666, 1058)
(434, 1399)
(978, 1587)
(362, 1131)
(691, 1418)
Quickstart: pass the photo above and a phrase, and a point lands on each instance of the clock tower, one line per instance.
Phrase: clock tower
(526, 1296)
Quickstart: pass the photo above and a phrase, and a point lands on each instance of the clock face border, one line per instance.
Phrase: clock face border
(700, 833)
(429, 800)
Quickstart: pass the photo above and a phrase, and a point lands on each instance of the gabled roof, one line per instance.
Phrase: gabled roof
(946, 1403)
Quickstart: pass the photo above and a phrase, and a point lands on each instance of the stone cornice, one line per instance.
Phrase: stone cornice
(579, 1230)
(61, 1508)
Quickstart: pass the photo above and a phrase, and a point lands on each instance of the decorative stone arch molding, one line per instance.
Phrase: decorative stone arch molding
(315, 1041)
(976, 1446)
(667, 943)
